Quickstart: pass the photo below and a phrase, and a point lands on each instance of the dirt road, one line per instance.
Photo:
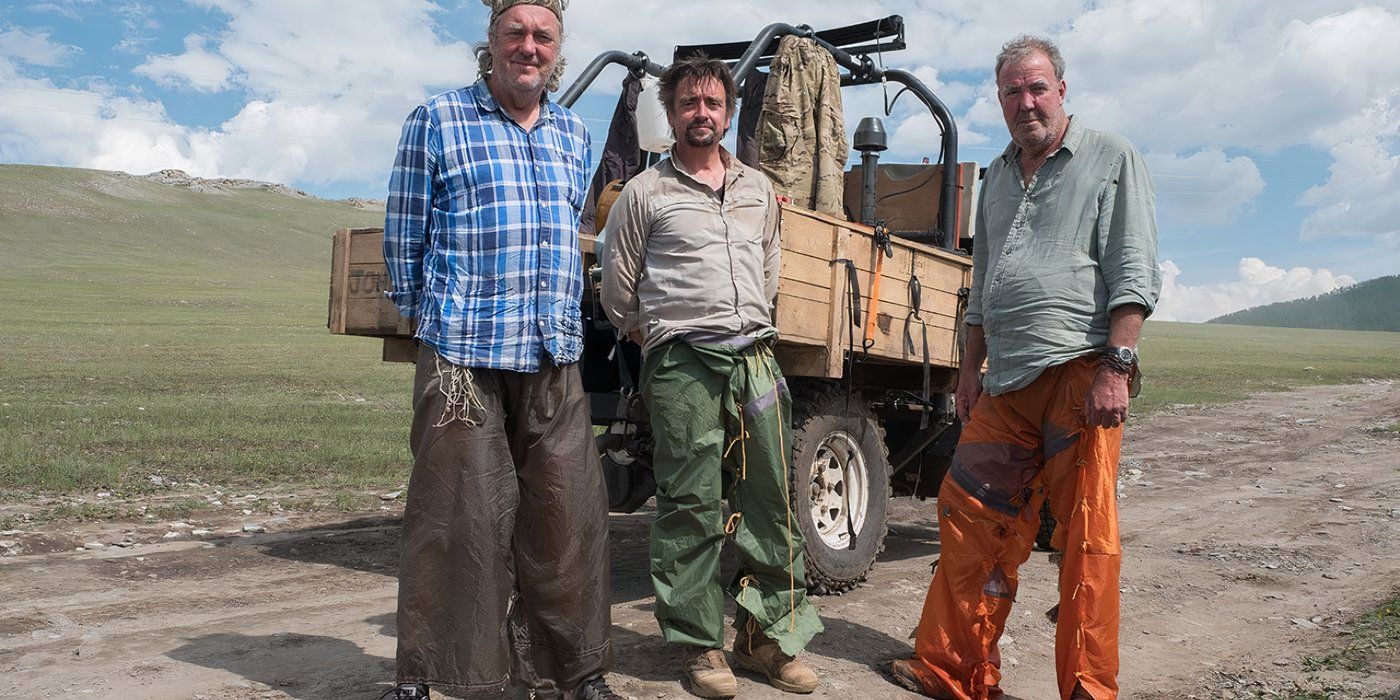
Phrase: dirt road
(1253, 534)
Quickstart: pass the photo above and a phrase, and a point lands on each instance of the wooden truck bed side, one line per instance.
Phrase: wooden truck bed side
(813, 319)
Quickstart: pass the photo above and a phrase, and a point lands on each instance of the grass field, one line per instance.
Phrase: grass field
(153, 330)
(150, 330)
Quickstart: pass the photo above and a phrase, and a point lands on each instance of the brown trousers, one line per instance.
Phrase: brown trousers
(503, 578)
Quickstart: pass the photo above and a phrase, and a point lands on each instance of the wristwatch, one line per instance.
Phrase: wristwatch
(1125, 356)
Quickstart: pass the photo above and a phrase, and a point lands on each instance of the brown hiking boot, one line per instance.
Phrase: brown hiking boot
(754, 651)
(709, 673)
(902, 672)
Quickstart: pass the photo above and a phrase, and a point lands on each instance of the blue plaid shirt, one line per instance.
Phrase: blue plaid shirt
(481, 231)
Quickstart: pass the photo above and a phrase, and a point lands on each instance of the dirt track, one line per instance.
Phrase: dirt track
(1253, 533)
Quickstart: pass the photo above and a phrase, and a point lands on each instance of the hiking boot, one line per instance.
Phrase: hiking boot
(709, 673)
(594, 688)
(406, 691)
(903, 673)
(753, 650)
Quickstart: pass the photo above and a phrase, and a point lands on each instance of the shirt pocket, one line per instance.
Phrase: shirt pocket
(569, 175)
(748, 213)
(685, 224)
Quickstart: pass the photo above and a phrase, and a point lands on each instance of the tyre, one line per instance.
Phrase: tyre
(626, 467)
(840, 485)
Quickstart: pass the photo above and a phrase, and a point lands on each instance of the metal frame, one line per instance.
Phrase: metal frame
(863, 71)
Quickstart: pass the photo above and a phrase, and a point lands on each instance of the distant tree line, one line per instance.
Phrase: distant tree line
(1373, 305)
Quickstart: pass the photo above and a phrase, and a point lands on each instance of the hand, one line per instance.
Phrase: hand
(1106, 404)
(969, 391)
(635, 336)
(784, 199)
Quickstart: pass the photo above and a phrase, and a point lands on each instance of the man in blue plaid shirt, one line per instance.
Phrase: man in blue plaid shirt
(503, 579)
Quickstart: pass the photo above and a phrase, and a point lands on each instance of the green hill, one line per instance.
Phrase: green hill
(1373, 305)
(154, 329)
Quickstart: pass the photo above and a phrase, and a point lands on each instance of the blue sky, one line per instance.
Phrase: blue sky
(1272, 127)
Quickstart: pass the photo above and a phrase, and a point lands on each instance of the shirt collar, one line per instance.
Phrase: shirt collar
(488, 103)
(1074, 135)
(731, 173)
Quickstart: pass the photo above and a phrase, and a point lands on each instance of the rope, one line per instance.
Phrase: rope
(787, 499)
(461, 395)
(743, 448)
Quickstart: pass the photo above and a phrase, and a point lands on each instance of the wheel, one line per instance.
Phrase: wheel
(626, 467)
(840, 485)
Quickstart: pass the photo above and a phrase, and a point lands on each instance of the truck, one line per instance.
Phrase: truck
(869, 314)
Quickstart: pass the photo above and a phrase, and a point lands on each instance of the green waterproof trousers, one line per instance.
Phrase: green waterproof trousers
(721, 419)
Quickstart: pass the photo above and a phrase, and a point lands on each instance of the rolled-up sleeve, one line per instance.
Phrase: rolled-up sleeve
(772, 250)
(408, 210)
(623, 245)
(1128, 236)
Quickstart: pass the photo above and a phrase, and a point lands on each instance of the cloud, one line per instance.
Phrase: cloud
(1177, 76)
(92, 129)
(325, 85)
(34, 48)
(1362, 194)
(1258, 283)
(321, 108)
(198, 68)
(1204, 188)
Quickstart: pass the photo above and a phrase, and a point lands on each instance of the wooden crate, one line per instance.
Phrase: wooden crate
(813, 325)
(813, 317)
(359, 279)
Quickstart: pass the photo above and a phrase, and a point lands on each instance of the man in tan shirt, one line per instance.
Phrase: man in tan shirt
(690, 270)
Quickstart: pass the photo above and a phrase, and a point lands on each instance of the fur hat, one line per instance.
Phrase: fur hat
(500, 6)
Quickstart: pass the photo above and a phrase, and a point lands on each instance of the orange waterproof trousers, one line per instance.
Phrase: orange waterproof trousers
(1014, 449)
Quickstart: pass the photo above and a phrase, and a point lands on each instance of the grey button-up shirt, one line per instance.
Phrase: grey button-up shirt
(1052, 258)
(678, 260)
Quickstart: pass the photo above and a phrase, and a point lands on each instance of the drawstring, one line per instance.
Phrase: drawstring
(460, 392)
(743, 446)
(787, 499)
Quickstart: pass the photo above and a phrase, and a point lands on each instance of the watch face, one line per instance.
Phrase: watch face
(1124, 354)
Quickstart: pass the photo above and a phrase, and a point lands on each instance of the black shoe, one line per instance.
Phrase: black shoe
(595, 688)
(406, 691)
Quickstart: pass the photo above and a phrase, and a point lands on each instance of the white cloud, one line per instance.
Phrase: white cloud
(1362, 195)
(1193, 83)
(1176, 75)
(1204, 188)
(329, 82)
(1258, 283)
(34, 48)
(46, 123)
(197, 67)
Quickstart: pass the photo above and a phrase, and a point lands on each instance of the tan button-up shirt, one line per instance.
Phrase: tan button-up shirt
(677, 259)
(1052, 258)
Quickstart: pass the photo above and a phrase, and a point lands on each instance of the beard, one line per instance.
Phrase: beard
(697, 137)
(1037, 136)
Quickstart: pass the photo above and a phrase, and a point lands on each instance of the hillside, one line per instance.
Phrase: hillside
(68, 231)
(1373, 305)
(168, 328)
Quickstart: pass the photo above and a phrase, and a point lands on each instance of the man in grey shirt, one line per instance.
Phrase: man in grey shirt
(1064, 274)
(690, 260)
